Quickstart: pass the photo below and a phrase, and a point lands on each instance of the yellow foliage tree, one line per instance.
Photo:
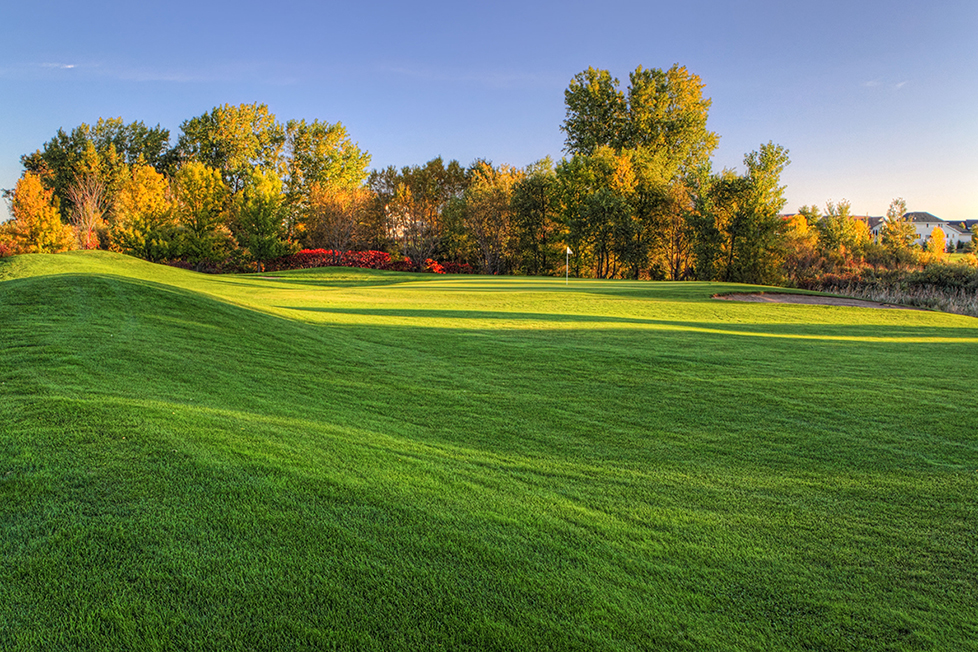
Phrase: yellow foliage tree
(37, 226)
(142, 215)
(488, 213)
(935, 245)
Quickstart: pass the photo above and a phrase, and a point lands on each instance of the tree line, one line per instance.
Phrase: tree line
(635, 197)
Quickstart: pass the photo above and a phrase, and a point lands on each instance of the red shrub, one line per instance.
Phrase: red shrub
(310, 258)
(457, 268)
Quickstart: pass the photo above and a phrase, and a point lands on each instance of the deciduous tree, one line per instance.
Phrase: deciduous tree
(116, 145)
(322, 155)
(200, 202)
(37, 226)
(488, 213)
(936, 243)
(663, 111)
(233, 140)
(142, 216)
(535, 227)
(841, 238)
(413, 201)
(335, 215)
(259, 224)
(898, 235)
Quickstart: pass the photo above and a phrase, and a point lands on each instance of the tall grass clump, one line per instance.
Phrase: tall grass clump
(948, 287)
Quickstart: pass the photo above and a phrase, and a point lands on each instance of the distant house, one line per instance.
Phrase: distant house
(925, 223)
(874, 224)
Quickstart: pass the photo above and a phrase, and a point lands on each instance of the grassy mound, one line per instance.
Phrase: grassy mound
(351, 459)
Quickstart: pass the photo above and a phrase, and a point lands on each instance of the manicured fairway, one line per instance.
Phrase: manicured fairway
(349, 459)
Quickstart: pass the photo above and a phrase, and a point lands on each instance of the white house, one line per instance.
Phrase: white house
(925, 223)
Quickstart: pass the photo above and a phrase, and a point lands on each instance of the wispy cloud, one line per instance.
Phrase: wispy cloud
(127, 72)
(880, 83)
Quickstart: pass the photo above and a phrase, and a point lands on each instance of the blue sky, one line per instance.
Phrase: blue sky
(873, 100)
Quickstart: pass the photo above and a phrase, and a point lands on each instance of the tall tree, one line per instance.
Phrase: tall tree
(488, 213)
(322, 155)
(758, 222)
(667, 113)
(664, 111)
(413, 201)
(598, 213)
(596, 112)
(535, 226)
(233, 140)
(116, 145)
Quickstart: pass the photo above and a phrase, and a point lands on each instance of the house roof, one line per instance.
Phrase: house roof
(921, 216)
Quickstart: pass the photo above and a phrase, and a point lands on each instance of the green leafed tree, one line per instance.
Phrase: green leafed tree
(322, 155)
(233, 140)
(664, 111)
(667, 113)
(737, 226)
(758, 222)
(898, 236)
(841, 237)
(596, 112)
(200, 204)
(535, 225)
(259, 224)
(67, 159)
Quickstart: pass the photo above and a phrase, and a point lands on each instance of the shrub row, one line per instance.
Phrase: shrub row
(310, 258)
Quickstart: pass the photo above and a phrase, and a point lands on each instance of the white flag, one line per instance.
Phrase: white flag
(569, 252)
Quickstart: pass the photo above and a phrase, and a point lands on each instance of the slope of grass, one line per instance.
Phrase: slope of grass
(352, 459)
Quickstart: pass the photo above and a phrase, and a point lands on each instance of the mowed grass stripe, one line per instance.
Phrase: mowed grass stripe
(360, 460)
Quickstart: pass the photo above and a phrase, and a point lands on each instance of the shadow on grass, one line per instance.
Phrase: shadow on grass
(854, 333)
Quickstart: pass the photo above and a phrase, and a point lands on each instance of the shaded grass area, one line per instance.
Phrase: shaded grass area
(408, 462)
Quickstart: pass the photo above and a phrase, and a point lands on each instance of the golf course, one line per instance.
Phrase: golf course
(354, 459)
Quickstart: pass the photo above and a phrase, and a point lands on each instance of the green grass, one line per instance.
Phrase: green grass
(349, 459)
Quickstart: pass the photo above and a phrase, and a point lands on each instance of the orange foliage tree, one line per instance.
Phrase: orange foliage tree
(37, 226)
